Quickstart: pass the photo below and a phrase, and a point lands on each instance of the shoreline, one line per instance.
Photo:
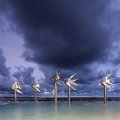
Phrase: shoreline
(47, 99)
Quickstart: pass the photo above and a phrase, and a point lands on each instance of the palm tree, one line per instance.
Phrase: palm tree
(107, 84)
(16, 87)
(70, 82)
(36, 87)
(55, 79)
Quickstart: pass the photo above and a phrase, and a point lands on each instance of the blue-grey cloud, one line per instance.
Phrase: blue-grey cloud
(25, 74)
(62, 33)
(4, 73)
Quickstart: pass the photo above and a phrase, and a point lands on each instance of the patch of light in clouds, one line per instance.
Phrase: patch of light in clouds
(12, 46)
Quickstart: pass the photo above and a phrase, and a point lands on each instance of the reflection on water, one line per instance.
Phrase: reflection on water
(111, 112)
(62, 111)
(56, 108)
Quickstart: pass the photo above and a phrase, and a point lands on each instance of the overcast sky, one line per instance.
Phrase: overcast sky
(40, 37)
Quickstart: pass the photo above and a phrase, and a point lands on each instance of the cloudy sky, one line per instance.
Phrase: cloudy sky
(40, 37)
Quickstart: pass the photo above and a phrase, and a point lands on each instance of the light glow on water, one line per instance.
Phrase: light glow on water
(48, 111)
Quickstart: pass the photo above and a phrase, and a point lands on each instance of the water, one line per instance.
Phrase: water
(48, 111)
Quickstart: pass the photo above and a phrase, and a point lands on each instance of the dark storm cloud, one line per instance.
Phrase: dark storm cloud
(4, 71)
(3, 6)
(25, 74)
(64, 33)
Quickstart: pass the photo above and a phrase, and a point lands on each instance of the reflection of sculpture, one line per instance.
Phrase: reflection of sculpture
(55, 79)
(70, 83)
(36, 87)
(16, 87)
(107, 84)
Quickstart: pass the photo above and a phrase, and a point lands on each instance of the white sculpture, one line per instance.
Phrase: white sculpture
(70, 82)
(107, 84)
(16, 87)
(36, 87)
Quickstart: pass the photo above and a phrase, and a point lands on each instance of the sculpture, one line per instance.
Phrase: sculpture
(70, 82)
(107, 84)
(55, 78)
(36, 87)
(16, 87)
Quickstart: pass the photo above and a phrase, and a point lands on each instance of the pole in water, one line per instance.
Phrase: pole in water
(70, 82)
(36, 87)
(55, 79)
(35, 96)
(107, 84)
(15, 96)
(69, 95)
(56, 92)
(104, 94)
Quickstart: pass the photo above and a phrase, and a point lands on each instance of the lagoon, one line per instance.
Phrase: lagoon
(49, 111)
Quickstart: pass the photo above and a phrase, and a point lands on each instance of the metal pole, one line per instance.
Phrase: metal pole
(15, 96)
(69, 95)
(56, 92)
(35, 96)
(104, 94)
